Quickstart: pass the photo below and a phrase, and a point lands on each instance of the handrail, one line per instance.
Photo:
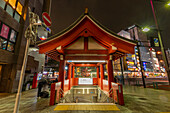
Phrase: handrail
(106, 94)
(63, 93)
(62, 90)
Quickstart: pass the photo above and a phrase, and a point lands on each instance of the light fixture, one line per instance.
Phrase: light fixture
(43, 38)
(146, 29)
(158, 52)
(168, 3)
(161, 61)
(87, 61)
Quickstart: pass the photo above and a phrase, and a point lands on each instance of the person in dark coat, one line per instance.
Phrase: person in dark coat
(56, 80)
(40, 85)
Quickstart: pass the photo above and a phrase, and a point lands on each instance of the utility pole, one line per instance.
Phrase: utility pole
(160, 41)
(122, 70)
(30, 35)
(141, 66)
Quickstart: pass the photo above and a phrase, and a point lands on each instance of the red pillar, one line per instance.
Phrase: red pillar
(97, 72)
(73, 68)
(110, 71)
(61, 71)
(69, 75)
(34, 82)
(52, 94)
(101, 75)
(98, 76)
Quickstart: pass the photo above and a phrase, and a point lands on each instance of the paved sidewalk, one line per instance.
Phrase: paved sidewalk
(148, 100)
(28, 103)
(137, 100)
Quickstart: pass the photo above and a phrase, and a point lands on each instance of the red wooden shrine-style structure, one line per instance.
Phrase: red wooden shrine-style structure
(86, 39)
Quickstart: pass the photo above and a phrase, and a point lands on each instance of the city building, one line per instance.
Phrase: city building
(151, 57)
(168, 55)
(13, 22)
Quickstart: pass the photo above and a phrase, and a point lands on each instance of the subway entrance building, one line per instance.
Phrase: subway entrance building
(86, 43)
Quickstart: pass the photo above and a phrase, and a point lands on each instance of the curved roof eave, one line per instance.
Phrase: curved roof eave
(95, 22)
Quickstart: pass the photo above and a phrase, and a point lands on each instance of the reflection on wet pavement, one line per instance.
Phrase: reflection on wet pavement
(137, 100)
(140, 100)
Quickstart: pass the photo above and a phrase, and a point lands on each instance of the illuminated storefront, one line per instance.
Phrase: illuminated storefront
(85, 72)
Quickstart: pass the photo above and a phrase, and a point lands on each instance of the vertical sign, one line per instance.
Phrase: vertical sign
(156, 42)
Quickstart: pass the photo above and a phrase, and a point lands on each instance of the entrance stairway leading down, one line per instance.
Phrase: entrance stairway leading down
(86, 98)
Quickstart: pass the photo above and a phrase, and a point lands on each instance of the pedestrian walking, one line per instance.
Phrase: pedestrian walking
(40, 85)
(45, 90)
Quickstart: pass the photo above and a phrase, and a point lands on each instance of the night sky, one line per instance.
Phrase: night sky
(113, 14)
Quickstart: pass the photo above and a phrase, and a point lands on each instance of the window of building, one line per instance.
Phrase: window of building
(12, 3)
(4, 31)
(10, 47)
(12, 7)
(17, 16)
(19, 8)
(13, 36)
(10, 10)
(3, 43)
(7, 37)
(2, 4)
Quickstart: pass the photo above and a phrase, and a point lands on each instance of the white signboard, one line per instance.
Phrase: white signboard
(85, 81)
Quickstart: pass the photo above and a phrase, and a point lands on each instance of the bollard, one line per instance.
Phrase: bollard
(52, 94)
(120, 95)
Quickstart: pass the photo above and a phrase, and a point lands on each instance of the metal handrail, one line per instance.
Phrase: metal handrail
(106, 94)
(63, 93)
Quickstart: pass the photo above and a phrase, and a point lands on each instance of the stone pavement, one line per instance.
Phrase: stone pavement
(148, 100)
(137, 100)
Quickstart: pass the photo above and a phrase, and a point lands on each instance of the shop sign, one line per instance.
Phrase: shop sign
(156, 42)
(85, 80)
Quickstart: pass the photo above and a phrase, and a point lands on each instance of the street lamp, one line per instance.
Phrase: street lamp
(146, 29)
(160, 40)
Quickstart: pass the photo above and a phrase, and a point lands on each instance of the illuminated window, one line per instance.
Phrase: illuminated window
(3, 43)
(4, 31)
(7, 41)
(12, 3)
(13, 36)
(2, 4)
(19, 8)
(10, 47)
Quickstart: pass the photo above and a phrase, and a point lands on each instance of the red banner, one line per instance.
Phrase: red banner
(95, 81)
